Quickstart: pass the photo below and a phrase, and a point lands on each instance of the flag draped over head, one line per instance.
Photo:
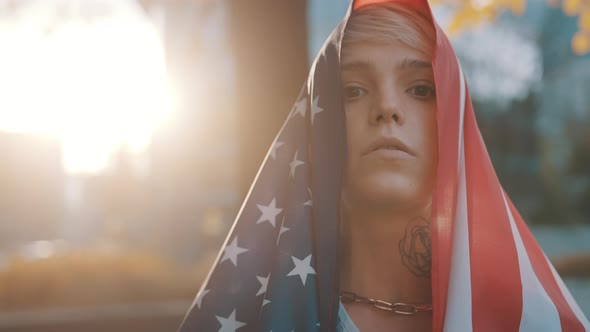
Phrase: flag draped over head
(278, 268)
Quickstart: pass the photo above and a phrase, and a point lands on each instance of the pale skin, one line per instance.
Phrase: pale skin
(388, 92)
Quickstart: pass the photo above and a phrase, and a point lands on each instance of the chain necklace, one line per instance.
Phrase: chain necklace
(398, 308)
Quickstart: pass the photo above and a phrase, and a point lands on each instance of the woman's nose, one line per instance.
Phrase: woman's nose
(388, 109)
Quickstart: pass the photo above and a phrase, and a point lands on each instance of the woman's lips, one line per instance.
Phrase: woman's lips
(390, 154)
(388, 142)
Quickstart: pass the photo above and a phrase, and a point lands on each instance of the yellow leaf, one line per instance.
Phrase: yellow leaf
(456, 25)
(489, 12)
(584, 20)
(581, 43)
(518, 7)
(460, 21)
(471, 15)
(571, 7)
(468, 16)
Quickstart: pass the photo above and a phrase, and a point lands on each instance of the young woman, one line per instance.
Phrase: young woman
(377, 207)
(390, 108)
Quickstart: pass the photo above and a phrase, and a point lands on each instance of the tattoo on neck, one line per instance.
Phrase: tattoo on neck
(415, 247)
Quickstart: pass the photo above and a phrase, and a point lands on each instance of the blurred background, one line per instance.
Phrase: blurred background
(131, 130)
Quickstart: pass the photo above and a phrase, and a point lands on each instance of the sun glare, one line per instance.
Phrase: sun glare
(97, 84)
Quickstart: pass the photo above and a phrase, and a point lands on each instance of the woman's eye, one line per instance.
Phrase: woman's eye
(353, 92)
(423, 91)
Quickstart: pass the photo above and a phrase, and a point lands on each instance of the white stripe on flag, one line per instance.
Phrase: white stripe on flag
(458, 315)
(569, 298)
(538, 310)
(461, 110)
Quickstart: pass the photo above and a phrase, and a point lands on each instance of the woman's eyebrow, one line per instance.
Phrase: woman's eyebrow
(414, 64)
(367, 65)
(358, 65)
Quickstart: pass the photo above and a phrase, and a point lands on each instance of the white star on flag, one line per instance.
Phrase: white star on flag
(269, 213)
(200, 297)
(264, 302)
(232, 251)
(309, 202)
(302, 268)
(293, 165)
(315, 109)
(282, 230)
(229, 324)
(275, 148)
(263, 284)
(299, 108)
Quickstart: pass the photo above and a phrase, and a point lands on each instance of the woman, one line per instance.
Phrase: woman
(390, 109)
(379, 187)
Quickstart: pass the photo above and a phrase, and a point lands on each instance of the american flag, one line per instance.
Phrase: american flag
(278, 268)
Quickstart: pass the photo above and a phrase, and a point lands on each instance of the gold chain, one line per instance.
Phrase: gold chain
(398, 308)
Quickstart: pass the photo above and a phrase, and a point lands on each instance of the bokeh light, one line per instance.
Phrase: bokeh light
(97, 83)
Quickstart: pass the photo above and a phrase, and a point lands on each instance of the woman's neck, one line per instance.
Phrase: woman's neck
(387, 256)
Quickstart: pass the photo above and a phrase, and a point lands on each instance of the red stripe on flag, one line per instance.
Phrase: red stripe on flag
(569, 321)
(496, 285)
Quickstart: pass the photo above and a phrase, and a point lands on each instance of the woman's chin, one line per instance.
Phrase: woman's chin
(388, 189)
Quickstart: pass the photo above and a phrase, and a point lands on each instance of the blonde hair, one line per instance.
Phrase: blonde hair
(388, 23)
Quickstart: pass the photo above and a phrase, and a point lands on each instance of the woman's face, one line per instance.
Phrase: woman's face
(390, 106)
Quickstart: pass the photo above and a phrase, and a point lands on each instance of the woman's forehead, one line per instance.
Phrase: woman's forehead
(372, 56)
(390, 24)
